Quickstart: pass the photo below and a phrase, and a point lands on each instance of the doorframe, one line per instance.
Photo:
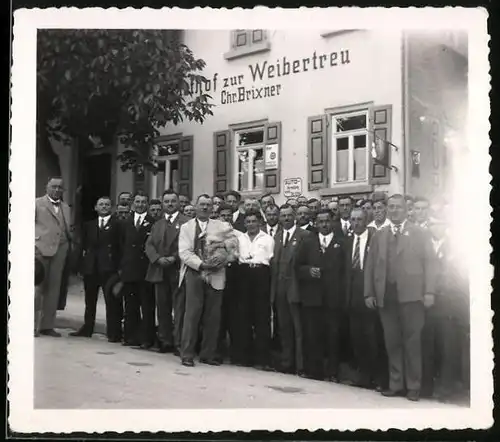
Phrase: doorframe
(113, 151)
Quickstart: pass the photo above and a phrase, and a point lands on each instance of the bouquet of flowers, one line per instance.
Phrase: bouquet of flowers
(221, 248)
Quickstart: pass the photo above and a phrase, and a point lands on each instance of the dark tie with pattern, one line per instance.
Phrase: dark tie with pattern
(102, 224)
(169, 220)
(287, 238)
(355, 256)
(138, 223)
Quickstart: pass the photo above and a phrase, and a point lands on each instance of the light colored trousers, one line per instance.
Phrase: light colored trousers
(51, 286)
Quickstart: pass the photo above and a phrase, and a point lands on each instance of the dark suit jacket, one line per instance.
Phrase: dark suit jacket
(134, 262)
(354, 280)
(283, 264)
(239, 224)
(417, 265)
(99, 247)
(328, 290)
(163, 242)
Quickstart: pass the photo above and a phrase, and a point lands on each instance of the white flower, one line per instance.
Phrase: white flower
(336, 245)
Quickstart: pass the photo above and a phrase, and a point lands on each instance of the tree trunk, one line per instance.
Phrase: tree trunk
(47, 161)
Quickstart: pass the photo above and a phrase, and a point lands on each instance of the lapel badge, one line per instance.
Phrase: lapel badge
(106, 227)
(336, 245)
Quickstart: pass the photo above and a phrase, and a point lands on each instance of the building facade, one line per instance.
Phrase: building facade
(317, 113)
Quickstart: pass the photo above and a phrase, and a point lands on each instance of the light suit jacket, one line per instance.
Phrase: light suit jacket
(417, 265)
(188, 256)
(49, 226)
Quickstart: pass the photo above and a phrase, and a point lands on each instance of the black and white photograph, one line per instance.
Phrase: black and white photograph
(250, 229)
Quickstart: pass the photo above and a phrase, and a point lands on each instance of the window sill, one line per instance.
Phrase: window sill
(327, 34)
(243, 51)
(251, 193)
(347, 189)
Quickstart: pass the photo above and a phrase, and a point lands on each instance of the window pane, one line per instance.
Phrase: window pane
(243, 170)
(168, 149)
(241, 39)
(359, 141)
(250, 137)
(360, 163)
(258, 168)
(174, 175)
(160, 180)
(351, 123)
(342, 159)
(257, 35)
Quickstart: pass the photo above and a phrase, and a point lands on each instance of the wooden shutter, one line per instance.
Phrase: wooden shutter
(317, 152)
(272, 177)
(380, 124)
(222, 163)
(186, 166)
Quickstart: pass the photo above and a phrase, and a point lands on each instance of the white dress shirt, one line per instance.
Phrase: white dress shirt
(290, 233)
(363, 238)
(55, 204)
(173, 217)
(384, 224)
(103, 220)
(346, 225)
(325, 240)
(274, 229)
(235, 215)
(140, 216)
(258, 251)
(437, 244)
(305, 226)
(393, 227)
(203, 225)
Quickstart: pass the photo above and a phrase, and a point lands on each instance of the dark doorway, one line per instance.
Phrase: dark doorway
(96, 182)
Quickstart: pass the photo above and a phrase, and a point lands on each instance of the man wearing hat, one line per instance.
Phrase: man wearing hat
(99, 261)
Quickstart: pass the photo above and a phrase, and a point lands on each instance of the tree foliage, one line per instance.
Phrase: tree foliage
(100, 85)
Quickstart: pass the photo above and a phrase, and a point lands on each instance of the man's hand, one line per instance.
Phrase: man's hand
(371, 303)
(165, 261)
(428, 300)
(315, 272)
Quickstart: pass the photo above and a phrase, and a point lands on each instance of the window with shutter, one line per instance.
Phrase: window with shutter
(272, 163)
(246, 42)
(185, 179)
(222, 164)
(317, 152)
(381, 133)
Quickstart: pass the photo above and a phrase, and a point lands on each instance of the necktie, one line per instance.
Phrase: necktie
(102, 224)
(271, 231)
(169, 219)
(323, 244)
(344, 229)
(138, 223)
(355, 257)
(287, 238)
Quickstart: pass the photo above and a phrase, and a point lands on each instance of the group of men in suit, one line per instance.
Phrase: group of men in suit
(329, 282)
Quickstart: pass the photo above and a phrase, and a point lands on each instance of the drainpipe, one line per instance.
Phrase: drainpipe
(405, 111)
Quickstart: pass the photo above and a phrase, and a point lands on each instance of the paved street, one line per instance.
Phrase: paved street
(92, 373)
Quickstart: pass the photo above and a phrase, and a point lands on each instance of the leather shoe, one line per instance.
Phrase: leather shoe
(187, 363)
(210, 362)
(146, 346)
(177, 352)
(165, 349)
(131, 344)
(392, 393)
(51, 333)
(81, 333)
(114, 340)
(413, 395)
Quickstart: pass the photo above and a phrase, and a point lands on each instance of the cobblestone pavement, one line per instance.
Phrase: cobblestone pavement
(81, 373)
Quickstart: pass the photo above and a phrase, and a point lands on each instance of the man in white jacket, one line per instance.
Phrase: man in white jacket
(203, 296)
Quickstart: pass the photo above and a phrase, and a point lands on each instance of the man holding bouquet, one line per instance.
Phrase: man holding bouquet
(205, 277)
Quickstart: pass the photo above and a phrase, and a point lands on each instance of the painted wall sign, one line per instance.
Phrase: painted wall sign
(271, 160)
(262, 78)
(292, 187)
